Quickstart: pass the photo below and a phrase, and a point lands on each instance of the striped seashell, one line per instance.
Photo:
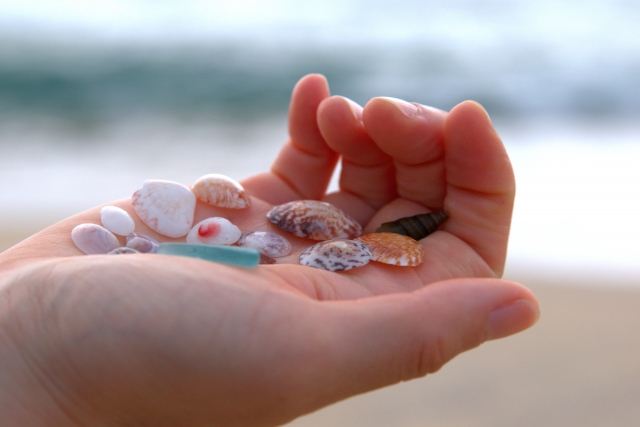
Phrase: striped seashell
(417, 226)
(93, 239)
(336, 255)
(220, 190)
(393, 248)
(270, 244)
(214, 231)
(314, 220)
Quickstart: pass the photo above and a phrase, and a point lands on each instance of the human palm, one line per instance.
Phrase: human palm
(178, 341)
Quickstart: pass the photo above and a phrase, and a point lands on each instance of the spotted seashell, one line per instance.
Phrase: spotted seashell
(214, 231)
(93, 239)
(265, 259)
(314, 220)
(266, 243)
(394, 249)
(220, 190)
(123, 250)
(336, 255)
(117, 220)
(417, 226)
(142, 243)
(166, 207)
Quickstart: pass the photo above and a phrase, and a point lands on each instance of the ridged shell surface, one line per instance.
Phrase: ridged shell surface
(166, 207)
(417, 226)
(270, 244)
(394, 249)
(214, 231)
(336, 255)
(220, 190)
(117, 220)
(142, 243)
(93, 239)
(314, 220)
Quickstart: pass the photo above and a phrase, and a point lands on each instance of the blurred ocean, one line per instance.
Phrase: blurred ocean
(97, 96)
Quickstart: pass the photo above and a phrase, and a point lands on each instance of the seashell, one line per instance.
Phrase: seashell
(336, 255)
(214, 231)
(93, 239)
(166, 207)
(123, 250)
(394, 249)
(265, 259)
(266, 243)
(220, 190)
(142, 243)
(314, 220)
(117, 220)
(417, 226)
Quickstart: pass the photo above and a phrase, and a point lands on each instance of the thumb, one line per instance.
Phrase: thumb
(392, 338)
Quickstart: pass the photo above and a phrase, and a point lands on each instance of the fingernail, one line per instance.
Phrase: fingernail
(404, 106)
(511, 318)
(356, 109)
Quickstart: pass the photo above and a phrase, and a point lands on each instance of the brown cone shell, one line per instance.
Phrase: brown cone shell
(393, 248)
(417, 226)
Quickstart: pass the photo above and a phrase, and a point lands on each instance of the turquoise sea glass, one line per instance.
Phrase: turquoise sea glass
(231, 255)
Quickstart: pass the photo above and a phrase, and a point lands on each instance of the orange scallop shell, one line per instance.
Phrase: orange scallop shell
(394, 249)
(220, 190)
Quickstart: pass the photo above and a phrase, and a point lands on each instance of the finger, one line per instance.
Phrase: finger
(412, 135)
(367, 172)
(305, 163)
(480, 183)
(388, 339)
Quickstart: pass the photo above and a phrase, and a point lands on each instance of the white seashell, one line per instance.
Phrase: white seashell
(123, 250)
(117, 220)
(336, 255)
(314, 220)
(220, 190)
(214, 231)
(270, 244)
(93, 239)
(142, 243)
(166, 207)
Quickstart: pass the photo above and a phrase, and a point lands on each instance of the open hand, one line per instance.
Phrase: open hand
(159, 340)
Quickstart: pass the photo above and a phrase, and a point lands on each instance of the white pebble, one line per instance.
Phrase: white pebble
(117, 220)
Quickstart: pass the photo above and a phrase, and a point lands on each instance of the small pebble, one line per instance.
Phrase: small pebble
(123, 250)
(117, 220)
(142, 243)
(93, 239)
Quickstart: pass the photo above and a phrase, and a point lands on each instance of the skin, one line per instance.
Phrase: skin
(153, 340)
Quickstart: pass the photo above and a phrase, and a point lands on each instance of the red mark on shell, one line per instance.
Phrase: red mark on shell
(209, 229)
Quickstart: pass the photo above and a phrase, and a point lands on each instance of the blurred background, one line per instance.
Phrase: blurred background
(96, 97)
